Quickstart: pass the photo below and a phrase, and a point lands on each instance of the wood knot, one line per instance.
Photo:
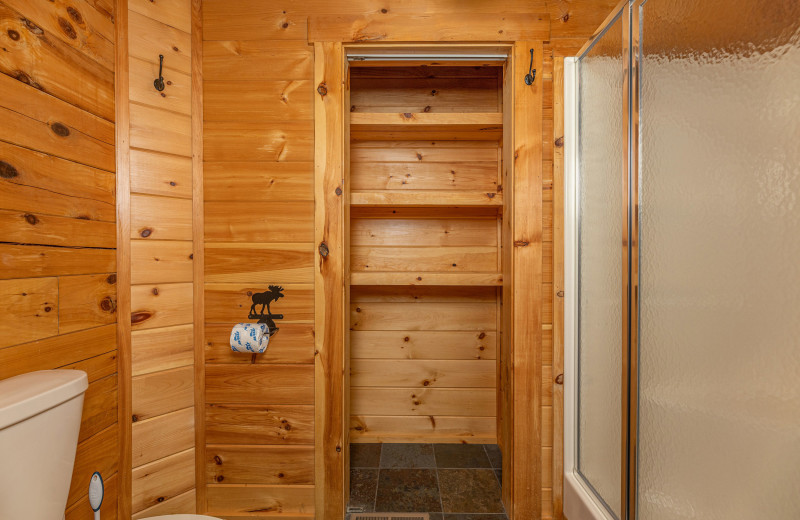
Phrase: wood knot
(281, 475)
(217, 460)
(59, 129)
(406, 339)
(172, 183)
(419, 156)
(426, 383)
(220, 478)
(358, 309)
(31, 219)
(419, 278)
(322, 90)
(146, 232)
(285, 25)
(7, 171)
(48, 309)
(111, 279)
(384, 11)
(559, 142)
(160, 499)
(32, 27)
(560, 294)
(75, 15)
(14, 35)
(338, 449)
(155, 291)
(427, 109)
(175, 48)
(338, 191)
(134, 418)
(140, 317)
(560, 379)
(481, 335)
(108, 304)
(249, 293)
(490, 195)
(67, 27)
(323, 249)
(565, 17)
(521, 243)
(353, 108)
(408, 115)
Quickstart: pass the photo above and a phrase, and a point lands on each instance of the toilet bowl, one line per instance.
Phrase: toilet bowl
(40, 419)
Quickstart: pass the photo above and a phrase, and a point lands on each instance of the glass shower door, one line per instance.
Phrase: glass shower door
(719, 246)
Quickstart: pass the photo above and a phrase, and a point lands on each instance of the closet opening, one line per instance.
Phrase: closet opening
(424, 269)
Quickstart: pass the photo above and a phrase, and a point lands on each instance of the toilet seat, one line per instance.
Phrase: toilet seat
(182, 517)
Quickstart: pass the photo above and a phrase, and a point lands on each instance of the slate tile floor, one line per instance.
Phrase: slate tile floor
(450, 481)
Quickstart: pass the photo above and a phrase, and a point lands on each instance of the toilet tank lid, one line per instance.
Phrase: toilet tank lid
(28, 394)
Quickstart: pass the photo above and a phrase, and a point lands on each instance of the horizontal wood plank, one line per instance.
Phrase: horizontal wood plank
(162, 480)
(253, 263)
(159, 130)
(451, 26)
(414, 373)
(378, 344)
(176, 505)
(466, 259)
(163, 348)
(99, 407)
(426, 198)
(39, 183)
(162, 436)
(247, 60)
(256, 384)
(174, 14)
(426, 401)
(86, 301)
(58, 351)
(425, 278)
(259, 222)
(161, 305)
(161, 261)
(423, 316)
(161, 174)
(162, 392)
(285, 141)
(239, 499)
(423, 232)
(30, 310)
(98, 453)
(283, 181)
(265, 100)
(40, 229)
(161, 218)
(259, 424)
(412, 428)
(284, 465)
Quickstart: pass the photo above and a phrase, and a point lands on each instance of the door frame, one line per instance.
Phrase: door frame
(520, 362)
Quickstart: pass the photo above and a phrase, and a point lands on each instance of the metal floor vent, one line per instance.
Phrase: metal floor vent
(390, 516)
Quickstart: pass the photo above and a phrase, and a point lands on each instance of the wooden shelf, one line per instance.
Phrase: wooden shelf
(426, 278)
(426, 125)
(425, 198)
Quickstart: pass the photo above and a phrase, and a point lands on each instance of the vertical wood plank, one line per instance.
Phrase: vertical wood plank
(526, 343)
(558, 288)
(198, 254)
(330, 295)
(124, 406)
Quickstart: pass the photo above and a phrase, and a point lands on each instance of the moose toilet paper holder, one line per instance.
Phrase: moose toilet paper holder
(263, 299)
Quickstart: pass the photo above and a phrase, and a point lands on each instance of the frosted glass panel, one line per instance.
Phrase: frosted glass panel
(600, 180)
(719, 417)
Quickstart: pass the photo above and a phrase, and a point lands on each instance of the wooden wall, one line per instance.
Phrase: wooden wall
(258, 140)
(58, 215)
(161, 259)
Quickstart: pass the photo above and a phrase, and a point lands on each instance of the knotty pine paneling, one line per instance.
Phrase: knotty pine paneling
(162, 253)
(58, 213)
(260, 143)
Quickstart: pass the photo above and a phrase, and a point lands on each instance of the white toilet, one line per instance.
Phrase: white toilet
(40, 418)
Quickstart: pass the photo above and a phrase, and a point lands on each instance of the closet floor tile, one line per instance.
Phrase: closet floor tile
(407, 456)
(470, 491)
(363, 486)
(461, 456)
(408, 490)
(365, 455)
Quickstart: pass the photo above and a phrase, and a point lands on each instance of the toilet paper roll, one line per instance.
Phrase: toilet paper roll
(251, 338)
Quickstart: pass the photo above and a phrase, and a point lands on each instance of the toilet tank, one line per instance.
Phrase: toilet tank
(40, 418)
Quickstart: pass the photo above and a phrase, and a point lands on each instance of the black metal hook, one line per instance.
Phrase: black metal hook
(159, 82)
(530, 77)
